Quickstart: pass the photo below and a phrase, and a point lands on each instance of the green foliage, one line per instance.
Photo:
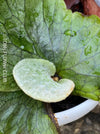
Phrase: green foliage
(19, 114)
(45, 29)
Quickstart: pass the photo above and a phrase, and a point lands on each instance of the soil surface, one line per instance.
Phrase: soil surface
(89, 124)
(69, 102)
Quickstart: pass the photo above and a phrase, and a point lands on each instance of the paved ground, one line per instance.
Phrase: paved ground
(89, 124)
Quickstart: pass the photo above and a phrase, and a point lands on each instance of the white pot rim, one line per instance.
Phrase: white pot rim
(72, 114)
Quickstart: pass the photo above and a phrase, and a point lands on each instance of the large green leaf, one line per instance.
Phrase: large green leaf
(46, 29)
(70, 40)
(19, 114)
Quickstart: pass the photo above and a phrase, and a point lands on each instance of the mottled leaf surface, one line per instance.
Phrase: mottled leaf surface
(19, 114)
(50, 31)
(70, 40)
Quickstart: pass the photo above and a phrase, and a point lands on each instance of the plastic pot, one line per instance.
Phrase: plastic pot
(72, 114)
